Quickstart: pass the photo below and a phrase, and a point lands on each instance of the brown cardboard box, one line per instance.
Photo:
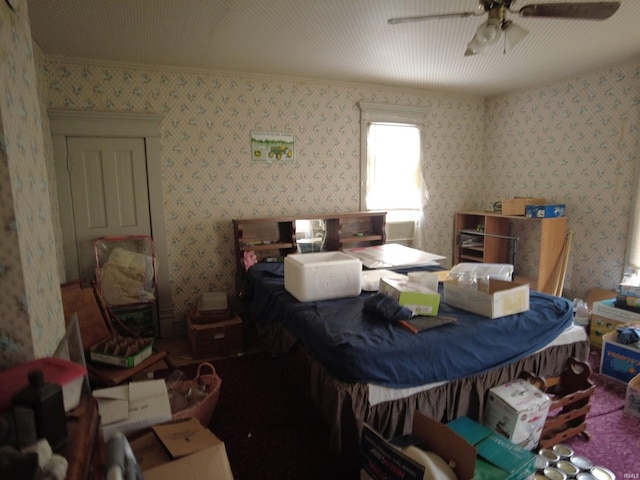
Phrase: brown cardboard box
(215, 339)
(515, 206)
(181, 449)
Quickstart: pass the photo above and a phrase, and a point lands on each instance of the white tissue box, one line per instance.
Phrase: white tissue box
(312, 277)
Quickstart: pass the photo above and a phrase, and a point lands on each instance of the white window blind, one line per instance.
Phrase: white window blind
(633, 242)
(391, 158)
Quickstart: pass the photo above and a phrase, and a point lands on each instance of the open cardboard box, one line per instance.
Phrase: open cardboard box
(132, 407)
(181, 449)
(502, 299)
(476, 451)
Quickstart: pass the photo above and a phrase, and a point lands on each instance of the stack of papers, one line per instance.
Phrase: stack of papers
(392, 255)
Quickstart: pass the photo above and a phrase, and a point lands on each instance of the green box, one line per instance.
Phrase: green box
(498, 458)
(414, 296)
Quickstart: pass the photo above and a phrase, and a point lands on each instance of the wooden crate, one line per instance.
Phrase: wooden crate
(218, 339)
(570, 394)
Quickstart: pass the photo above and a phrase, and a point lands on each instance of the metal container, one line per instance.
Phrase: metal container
(583, 463)
(563, 451)
(552, 473)
(602, 473)
(585, 476)
(549, 454)
(568, 468)
(542, 462)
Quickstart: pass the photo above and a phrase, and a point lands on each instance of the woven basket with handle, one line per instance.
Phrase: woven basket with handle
(202, 409)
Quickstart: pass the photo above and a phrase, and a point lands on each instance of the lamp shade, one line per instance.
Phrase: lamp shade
(489, 32)
(514, 34)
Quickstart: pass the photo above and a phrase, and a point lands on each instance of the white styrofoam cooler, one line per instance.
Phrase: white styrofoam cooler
(322, 276)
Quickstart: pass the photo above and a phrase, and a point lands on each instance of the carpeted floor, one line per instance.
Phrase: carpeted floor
(614, 436)
(271, 431)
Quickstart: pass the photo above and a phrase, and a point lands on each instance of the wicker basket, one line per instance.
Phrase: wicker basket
(203, 409)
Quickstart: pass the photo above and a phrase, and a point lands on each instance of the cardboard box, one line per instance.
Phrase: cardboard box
(132, 407)
(414, 296)
(545, 211)
(105, 351)
(503, 298)
(181, 449)
(516, 206)
(606, 318)
(476, 451)
(498, 458)
(382, 460)
(599, 326)
(312, 277)
(608, 309)
(632, 398)
(215, 339)
(517, 410)
(618, 361)
(630, 286)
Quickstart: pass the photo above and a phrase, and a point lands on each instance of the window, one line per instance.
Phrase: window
(633, 245)
(391, 154)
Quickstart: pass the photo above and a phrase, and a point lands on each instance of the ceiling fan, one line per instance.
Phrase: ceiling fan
(491, 31)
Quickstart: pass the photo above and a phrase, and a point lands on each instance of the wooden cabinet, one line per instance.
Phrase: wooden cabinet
(487, 237)
(272, 238)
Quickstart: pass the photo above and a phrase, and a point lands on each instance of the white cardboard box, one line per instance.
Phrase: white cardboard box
(503, 298)
(632, 398)
(517, 410)
(181, 449)
(132, 407)
(311, 277)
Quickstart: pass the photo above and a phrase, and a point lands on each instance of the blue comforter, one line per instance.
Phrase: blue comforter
(358, 346)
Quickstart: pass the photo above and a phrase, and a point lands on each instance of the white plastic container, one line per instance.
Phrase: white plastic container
(311, 277)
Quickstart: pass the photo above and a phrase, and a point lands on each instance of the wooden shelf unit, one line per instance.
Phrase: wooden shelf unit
(275, 237)
(485, 237)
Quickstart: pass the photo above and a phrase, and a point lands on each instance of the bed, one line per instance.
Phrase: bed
(357, 367)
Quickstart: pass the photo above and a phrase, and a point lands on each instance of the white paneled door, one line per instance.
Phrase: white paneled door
(109, 192)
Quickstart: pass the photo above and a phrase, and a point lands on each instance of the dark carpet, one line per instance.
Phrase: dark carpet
(271, 431)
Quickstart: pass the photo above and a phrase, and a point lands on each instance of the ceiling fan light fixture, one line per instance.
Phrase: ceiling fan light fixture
(514, 34)
(474, 47)
(489, 32)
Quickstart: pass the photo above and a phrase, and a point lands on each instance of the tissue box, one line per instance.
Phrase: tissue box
(417, 298)
(322, 276)
(545, 211)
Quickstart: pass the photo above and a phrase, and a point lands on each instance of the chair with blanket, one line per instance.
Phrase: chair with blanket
(96, 324)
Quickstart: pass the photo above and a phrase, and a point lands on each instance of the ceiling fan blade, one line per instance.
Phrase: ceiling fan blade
(420, 18)
(581, 10)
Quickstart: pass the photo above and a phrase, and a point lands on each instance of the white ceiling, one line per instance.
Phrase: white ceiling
(340, 40)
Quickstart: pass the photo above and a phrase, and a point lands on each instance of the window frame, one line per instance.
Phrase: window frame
(379, 113)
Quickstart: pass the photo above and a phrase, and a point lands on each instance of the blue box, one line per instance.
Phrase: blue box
(618, 361)
(545, 211)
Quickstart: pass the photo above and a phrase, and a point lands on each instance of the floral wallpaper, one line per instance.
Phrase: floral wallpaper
(574, 141)
(208, 174)
(31, 323)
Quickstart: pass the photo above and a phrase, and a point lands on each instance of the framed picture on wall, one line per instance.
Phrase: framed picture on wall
(272, 147)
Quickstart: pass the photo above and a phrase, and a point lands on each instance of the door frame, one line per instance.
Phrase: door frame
(65, 124)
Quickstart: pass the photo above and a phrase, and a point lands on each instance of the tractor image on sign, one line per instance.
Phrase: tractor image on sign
(278, 152)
